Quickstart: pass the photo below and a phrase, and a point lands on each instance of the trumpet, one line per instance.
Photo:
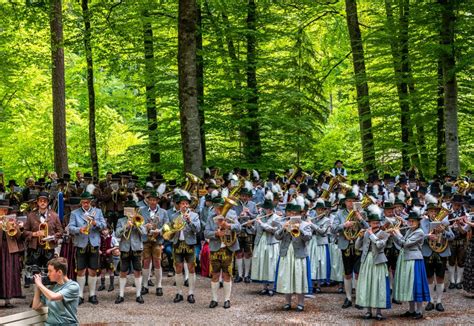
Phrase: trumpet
(41, 240)
(293, 228)
(89, 218)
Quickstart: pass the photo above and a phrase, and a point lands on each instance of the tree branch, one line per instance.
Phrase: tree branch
(334, 67)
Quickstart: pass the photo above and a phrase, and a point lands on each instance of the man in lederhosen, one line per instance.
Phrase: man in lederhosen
(85, 224)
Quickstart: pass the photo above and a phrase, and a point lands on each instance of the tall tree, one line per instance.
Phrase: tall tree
(448, 18)
(362, 87)
(150, 89)
(200, 80)
(86, 14)
(58, 87)
(253, 147)
(188, 99)
(440, 130)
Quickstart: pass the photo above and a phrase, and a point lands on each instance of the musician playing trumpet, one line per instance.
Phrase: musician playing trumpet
(85, 224)
(435, 262)
(42, 229)
(293, 268)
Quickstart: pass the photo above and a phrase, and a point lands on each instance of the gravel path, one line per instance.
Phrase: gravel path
(247, 308)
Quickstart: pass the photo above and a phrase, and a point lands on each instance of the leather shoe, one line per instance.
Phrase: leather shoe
(299, 308)
(439, 307)
(227, 304)
(93, 299)
(340, 290)
(429, 306)
(150, 283)
(347, 303)
(396, 301)
(101, 288)
(451, 286)
(367, 316)
(178, 298)
(379, 317)
(119, 300)
(408, 314)
(81, 301)
(221, 285)
(213, 304)
(8, 306)
(263, 292)
(247, 279)
(111, 288)
(270, 293)
(418, 315)
(140, 299)
(144, 290)
(159, 292)
(459, 286)
(287, 307)
(191, 298)
(317, 290)
(238, 279)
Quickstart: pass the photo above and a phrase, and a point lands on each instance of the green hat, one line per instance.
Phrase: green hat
(218, 201)
(267, 204)
(433, 206)
(327, 204)
(373, 217)
(414, 216)
(293, 208)
(130, 203)
(320, 204)
(86, 196)
(245, 191)
(153, 194)
(350, 195)
(387, 205)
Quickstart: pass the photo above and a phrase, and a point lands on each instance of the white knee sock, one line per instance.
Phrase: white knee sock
(451, 270)
(348, 288)
(122, 283)
(159, 277)
(220, 277)
(240, 266)
(82, 281)
(214, 288)
(439, 292)
(179, 282)
(432, 292)
(459, 272)
(227, 290)
(92, 284)
(186, 271)
(192, 283)
(145, 274)
(247, 264)
(138, 283)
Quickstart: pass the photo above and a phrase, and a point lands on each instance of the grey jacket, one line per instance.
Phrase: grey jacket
(320, 229)
(269, 226)
(211, 227)
(338, 227)
(134, 242)
(252, 214)
(411, 243)
(78, 220)
(375, 243)
(158, 217)
(190, 230)
(447, 234)
(300, 243)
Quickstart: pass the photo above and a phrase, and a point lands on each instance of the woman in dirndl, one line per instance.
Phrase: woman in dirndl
(468, 274)
(411, 281)
(373, 286)
(266, 247)
(319, 247)
(293, 272)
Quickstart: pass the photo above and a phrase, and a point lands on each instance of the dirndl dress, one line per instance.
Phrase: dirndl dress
(293, 275)
(264, 260)
(320, 261)
(468, 274)
(337, 267)
(410, 281)
(373, 286)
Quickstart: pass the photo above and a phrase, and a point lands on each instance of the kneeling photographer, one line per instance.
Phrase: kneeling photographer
(63, 297)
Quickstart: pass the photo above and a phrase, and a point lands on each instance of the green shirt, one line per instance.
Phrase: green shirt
(63, 312)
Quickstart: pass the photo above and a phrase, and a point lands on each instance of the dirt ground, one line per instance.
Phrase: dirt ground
(247, 308)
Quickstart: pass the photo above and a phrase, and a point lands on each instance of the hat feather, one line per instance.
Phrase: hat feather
(255, 174)
(375, 189)
(417, 210)
(311, 193)
(90, 188)
(149, 184)
(214, 194)
(161, 188)
(430, 199)
(401, 196)
(208, 171)
(248, 185)
(225, 192)
(391, 198)
(375, 210)
(300, 201)
(355, 190)
(269, 195)
(332, 197)
(341, 196)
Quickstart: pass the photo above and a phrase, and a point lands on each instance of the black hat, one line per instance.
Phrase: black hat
(115, 177)
(350, 195)
(338, 161)
(88, 176)
(267, 204)
(43, 194)
(303, 188)
(386, 176)
(171, 183)
(67, 177)
(12, 183)
(387, 205)
(414, 216)
(457, 198)
(153, 194)
(423, 190)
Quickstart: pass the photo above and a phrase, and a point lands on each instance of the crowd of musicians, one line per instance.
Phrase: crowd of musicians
(382, 241)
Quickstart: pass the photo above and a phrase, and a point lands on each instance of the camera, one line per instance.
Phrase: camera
(31, 270)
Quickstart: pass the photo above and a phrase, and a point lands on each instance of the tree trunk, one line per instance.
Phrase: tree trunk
(363, 103)
(448, 18)
(188, 97)
(58, 88)
(150, 90)
(90, 88)
(440, 130)
(200, 81)
(253, 148)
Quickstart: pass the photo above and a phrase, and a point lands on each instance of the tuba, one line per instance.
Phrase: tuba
(440, 244)
(462, 186)
(177, 225)
(229, 237)
(351, 233)
(335, 181)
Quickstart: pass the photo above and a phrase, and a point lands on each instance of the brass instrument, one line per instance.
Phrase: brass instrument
(89, 218)
(462, 186)
(137, 221)
(177, 225)
(234, 192)
(229, 237)
(192, 186)
(351, 233)
(152, 236)
(440, 243)
(41, 240)
(335, 181)
(293, 228)
(296, 168)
